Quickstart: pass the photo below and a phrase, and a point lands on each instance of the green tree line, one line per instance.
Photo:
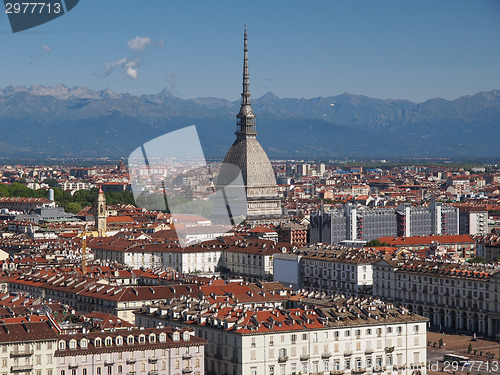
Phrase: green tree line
(71, 203)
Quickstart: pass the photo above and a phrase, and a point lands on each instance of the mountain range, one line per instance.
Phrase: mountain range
(40, 122)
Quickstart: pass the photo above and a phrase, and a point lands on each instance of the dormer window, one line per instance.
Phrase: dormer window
(62, 345)
(72, 344)
(97, 342)
(163, 337)
(83, 343)
(176, 336)
(109, 341)
(130, 340)
(142, 339)
(152, 337)
(187, 336)
(119, 340)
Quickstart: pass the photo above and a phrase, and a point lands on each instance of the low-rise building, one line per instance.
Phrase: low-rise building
(453, 295)
(346, 336)
(328, 269)
(28, 348)
(152, 351)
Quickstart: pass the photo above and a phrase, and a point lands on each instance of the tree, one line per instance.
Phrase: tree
(376, 243)
(52, 182)
(73, 207)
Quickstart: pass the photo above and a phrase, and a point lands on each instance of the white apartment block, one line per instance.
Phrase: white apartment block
(251, 258)
(27, 348)
(154, 351)
(327, 269)
(454, 296)
(355, 337)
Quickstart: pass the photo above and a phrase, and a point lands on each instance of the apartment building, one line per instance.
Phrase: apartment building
(236, 255)
(473, 220)
(327, 269)
(152, 351)
(452, 295)
(363, 223)
(28, 348)
(346, 336)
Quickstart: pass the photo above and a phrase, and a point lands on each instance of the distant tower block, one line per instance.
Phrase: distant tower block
(100, 214)
(264, 205)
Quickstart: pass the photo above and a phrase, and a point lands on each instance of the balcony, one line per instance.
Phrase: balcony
(347, 353)
(378, 369)
(187, 370)
(154, 360)
(109, 363)
(359, 370)
(337, 372)
(304, 357)
(131, 373)
(21, 353)
(131, 361)
(21, 368)
(153, 372)
(282, 358)
(326, 355)
(187, 356)
(73, 367)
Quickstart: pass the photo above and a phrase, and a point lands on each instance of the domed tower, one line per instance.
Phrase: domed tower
(263, 203)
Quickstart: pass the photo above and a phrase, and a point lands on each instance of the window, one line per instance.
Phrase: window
(63, 372)
(304, 336)
(120, 369)
(347, 333)
(98, 371)
(294, 338)
(253, 342)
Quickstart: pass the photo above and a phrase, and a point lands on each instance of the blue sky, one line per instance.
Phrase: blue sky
(387, 49)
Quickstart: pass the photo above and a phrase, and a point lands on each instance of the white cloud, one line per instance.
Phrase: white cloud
(111, 66)
(138, 43)
(130, 65)
(131, 69)
(47, 48)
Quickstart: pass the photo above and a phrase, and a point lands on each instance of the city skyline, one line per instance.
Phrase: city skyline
(383, 50)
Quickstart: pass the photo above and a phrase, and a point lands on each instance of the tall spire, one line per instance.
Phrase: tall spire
(245, 95)
(246, 117)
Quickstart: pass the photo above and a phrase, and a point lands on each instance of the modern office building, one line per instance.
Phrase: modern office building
(363, 223)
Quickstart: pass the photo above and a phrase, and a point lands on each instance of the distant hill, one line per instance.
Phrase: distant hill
(78, 122)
